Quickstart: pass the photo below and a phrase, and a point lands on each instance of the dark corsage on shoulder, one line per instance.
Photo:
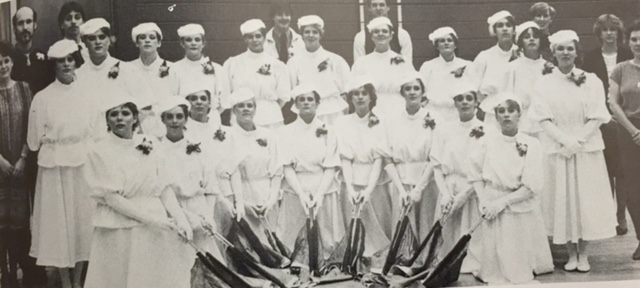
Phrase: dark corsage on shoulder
(515, 54)
(219, 135)
(321, 130)
(577, 78)
(191, 147)
(114, 71)
(373, 120)
(207, 68)
(164, 69)
(477, 132)
(429, 122)
(548, 68)
(459, 72)
(323, 65)
(396, 60)
(262, 142)
(522, 148)
(265, 69)
(146, 146)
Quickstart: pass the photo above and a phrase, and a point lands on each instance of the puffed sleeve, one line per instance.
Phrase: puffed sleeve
(405, 43)
(332, 156)
(532, 174)
(425, 71)
(510, 77)
(283, 81)
(344, 146)
(101, 175)
(358, 46)
(36, 129)
(540, 110)
(229, 67)
(596, 107)
(437, 147)
(223, 86)
(384, 148)
(292, 66)
(275, 169)
(478, 68)
(342, 72)
(282, 150)
(476, 160)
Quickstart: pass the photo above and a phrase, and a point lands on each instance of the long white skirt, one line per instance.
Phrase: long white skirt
(422, 214)
(141, 256)
(576, 201)
(61, 223)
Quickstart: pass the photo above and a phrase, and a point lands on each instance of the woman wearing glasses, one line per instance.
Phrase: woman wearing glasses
(262, 73)
(197, 68)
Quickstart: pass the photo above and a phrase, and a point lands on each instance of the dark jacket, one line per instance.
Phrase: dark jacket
(39, 74)
(594, 63)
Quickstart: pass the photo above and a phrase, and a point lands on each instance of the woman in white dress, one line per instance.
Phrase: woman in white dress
(262, 73)
(61, 122)
(409, 138)
(197, 68)
(507, 174)
(383, 66)
(452, 145)
(361, 143)
(203, 124)
(442, 73)
(523, 72)
(326, 70)
(134, 244)
(155, 72)
(489, 67)
(570, 107)
(308, 151)
(184, 164)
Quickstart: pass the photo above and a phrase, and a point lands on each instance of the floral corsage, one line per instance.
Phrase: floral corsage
(219, 135)
(548, 68)
(373, 120)
(40, 56)
(397, 60)
(114, 71)
(429, 122)
(577, 78)
(522, 148)
(265, 69)
(477, 132)
(321, 131)
(262, 142)
(164, 69)
(145, 146)
(191, 147)
(323, 65)
(207, 68)
(459, 72)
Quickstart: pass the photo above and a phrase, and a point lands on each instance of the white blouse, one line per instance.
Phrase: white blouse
(452, 145)
(193, 71)
(440, 76)
(489, 71)
(160, 76)
(522, 74)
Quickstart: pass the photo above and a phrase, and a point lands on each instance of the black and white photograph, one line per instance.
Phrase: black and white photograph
(328, 143)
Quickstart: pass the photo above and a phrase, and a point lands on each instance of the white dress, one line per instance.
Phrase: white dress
(577, 201)
(440, 77)
(362, 145)
(384, 69)
(452, 146)
(514, 246)
(404, 39)
(61, 122)
(522, 74)
(125, 252)
(328, 72)
(409, 145)
(299, 144)
(269, 80)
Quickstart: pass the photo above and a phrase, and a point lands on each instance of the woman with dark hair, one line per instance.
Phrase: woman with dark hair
(569, 105)
(507, 175)
(624, 93)
(360, 143)
(443, 72)
(70, 17)
(523, 72)
(61, 122)
(308, 151)
(15, 236)
(262, 73)
(324, 69)
(409, 137)
(382, 66)
(135, 244)
(601, 61)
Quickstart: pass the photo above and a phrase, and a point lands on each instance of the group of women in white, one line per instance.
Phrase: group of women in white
(145, 138)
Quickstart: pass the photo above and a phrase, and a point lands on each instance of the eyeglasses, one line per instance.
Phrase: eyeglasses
(193, 98)
(94, 37)
(502, 110)
(307, 99)
(66, 59)
(170, 116)
(459, 98)
(358, 93)
(242, 105)
(500, 25)
(194, 39)
(409, 88)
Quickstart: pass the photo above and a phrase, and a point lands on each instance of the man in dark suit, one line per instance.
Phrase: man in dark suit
(31, 66)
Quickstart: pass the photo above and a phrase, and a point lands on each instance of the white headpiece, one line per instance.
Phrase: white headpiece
(408, 77)
(563, 36)
(441, 32)
(251, 26)
(190, 29)
(169, 103)
(524, 27)
(62, 48)
(379, 21)
(310, 20)
(93, 25)
(144, 28)
(357, 82)
(495, 18)
(241, 95)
